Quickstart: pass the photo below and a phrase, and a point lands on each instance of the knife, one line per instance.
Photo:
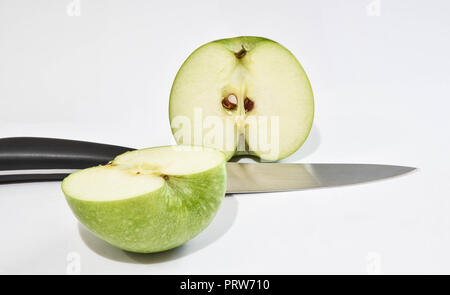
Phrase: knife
(26, 159)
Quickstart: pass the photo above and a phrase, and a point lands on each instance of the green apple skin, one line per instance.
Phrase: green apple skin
(249, 43)
(157, 221)
(235, 44)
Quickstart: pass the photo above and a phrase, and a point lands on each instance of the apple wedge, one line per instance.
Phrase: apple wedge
(149, 200)
(244, 95)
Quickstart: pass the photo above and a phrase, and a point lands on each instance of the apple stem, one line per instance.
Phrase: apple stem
(241, 53)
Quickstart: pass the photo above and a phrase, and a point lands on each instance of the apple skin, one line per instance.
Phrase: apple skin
(235, 44)
(160, 220)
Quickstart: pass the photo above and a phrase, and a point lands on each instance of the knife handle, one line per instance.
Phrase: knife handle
(19, 154)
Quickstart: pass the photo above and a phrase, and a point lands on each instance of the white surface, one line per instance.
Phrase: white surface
(381, 87)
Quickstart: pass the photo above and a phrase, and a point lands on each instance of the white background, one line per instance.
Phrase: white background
(380, 75)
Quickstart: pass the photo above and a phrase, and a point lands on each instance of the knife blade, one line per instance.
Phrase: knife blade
(26, 159)
(275, 177)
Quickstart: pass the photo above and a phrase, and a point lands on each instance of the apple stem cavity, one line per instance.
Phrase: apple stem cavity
(166, 177)
(230, 102)
(241, 53)
(248, 104)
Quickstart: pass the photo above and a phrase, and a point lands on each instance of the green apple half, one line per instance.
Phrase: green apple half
(244, 95)
(149, 200)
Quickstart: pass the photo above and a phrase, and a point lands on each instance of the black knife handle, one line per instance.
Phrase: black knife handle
(35, 153)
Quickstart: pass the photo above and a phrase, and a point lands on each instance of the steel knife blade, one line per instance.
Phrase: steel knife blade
(275, 177)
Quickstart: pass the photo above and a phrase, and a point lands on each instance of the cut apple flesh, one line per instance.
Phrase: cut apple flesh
(139, 172)
(108, 183)
(149, 200)
(254, 87)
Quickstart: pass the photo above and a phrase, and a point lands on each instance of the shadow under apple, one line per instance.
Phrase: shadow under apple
(219, 226)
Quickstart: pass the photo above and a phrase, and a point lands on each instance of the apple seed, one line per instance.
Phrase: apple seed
(248, 104)
(230, 102)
